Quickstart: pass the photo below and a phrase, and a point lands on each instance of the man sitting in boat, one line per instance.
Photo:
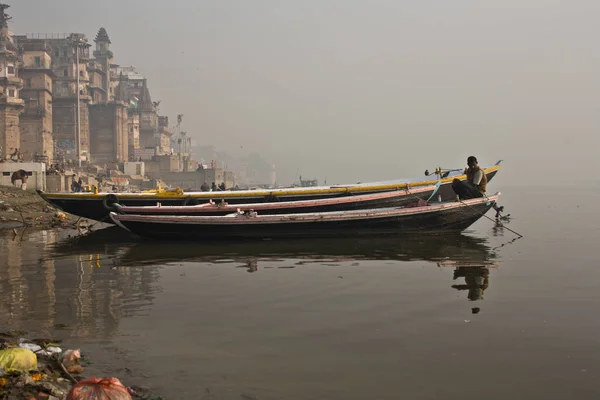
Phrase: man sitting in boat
(475, 184)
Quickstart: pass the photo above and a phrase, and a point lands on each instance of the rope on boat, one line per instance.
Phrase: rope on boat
(493, 220)
(504, 244)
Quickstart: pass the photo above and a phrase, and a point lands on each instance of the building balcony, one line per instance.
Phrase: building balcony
(12, 101)
(84, 53)
(11, 81)
(103, 54)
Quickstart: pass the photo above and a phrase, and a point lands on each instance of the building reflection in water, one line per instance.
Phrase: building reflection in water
(86, 293)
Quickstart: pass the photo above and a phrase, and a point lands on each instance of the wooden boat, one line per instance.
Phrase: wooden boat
(397, 198)
(433, 217)
(97, 206)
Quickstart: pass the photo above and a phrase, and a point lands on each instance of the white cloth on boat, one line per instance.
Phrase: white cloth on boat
(477, 177)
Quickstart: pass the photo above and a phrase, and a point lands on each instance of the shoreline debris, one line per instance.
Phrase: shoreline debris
(40, 370)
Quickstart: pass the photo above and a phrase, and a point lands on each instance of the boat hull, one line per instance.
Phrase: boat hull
(94, 206)
(437, 218)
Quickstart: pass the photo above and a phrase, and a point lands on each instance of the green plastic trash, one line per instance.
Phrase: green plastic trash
(17, 360)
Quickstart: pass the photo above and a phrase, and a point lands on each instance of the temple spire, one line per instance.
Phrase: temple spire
(145, 99)
(102, 36)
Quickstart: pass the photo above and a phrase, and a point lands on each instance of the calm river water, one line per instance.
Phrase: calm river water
(465, 316)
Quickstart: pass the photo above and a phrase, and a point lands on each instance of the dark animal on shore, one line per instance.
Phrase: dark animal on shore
(19, 175)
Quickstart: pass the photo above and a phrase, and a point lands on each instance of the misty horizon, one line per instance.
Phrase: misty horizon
(358, 91)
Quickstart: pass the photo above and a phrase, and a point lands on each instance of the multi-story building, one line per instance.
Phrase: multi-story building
(37, 143)
(102, 62)
(133, 127)
(68, 66)
(11, 105)
(103, 119)
(109, 134)
(148, 119)
(164, 136)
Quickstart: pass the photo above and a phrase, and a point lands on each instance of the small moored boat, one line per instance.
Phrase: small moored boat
(432, 217)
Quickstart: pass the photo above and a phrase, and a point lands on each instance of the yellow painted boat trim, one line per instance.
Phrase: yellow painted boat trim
(256, 193)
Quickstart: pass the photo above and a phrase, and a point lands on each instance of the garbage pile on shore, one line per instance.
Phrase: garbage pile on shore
(39, 369)
(26, 208)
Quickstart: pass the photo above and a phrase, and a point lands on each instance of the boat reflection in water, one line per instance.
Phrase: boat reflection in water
(470, 257)
(91, 283)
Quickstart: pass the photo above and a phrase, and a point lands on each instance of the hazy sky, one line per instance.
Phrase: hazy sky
(364, 90)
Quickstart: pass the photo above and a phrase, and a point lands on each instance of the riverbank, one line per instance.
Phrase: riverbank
(44, 369)
(25, 208)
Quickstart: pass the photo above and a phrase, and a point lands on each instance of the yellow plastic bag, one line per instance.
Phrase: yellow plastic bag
(18, 360)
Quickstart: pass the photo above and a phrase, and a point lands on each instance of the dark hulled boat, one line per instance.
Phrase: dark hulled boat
(97, 206)
(397, 198)
(434, 217)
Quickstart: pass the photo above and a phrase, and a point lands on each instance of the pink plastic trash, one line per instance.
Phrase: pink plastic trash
(99, 389)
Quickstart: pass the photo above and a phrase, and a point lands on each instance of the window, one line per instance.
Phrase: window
(80, 73)
(65, 72)
(38, 62)
(131, 129)
(11, 93)
(11, 69)
(28, 83)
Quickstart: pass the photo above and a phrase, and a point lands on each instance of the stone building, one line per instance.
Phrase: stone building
(61, 49)
(109, 117)
(37, 143)
(164, 136)
(108, 133)
(97, 74)
(148, 119)
(102, 62)
(117, 117)
(11, 105)
(133, 127)
(149, 133)
(64, 103)
(128, 82)
(126, 88)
